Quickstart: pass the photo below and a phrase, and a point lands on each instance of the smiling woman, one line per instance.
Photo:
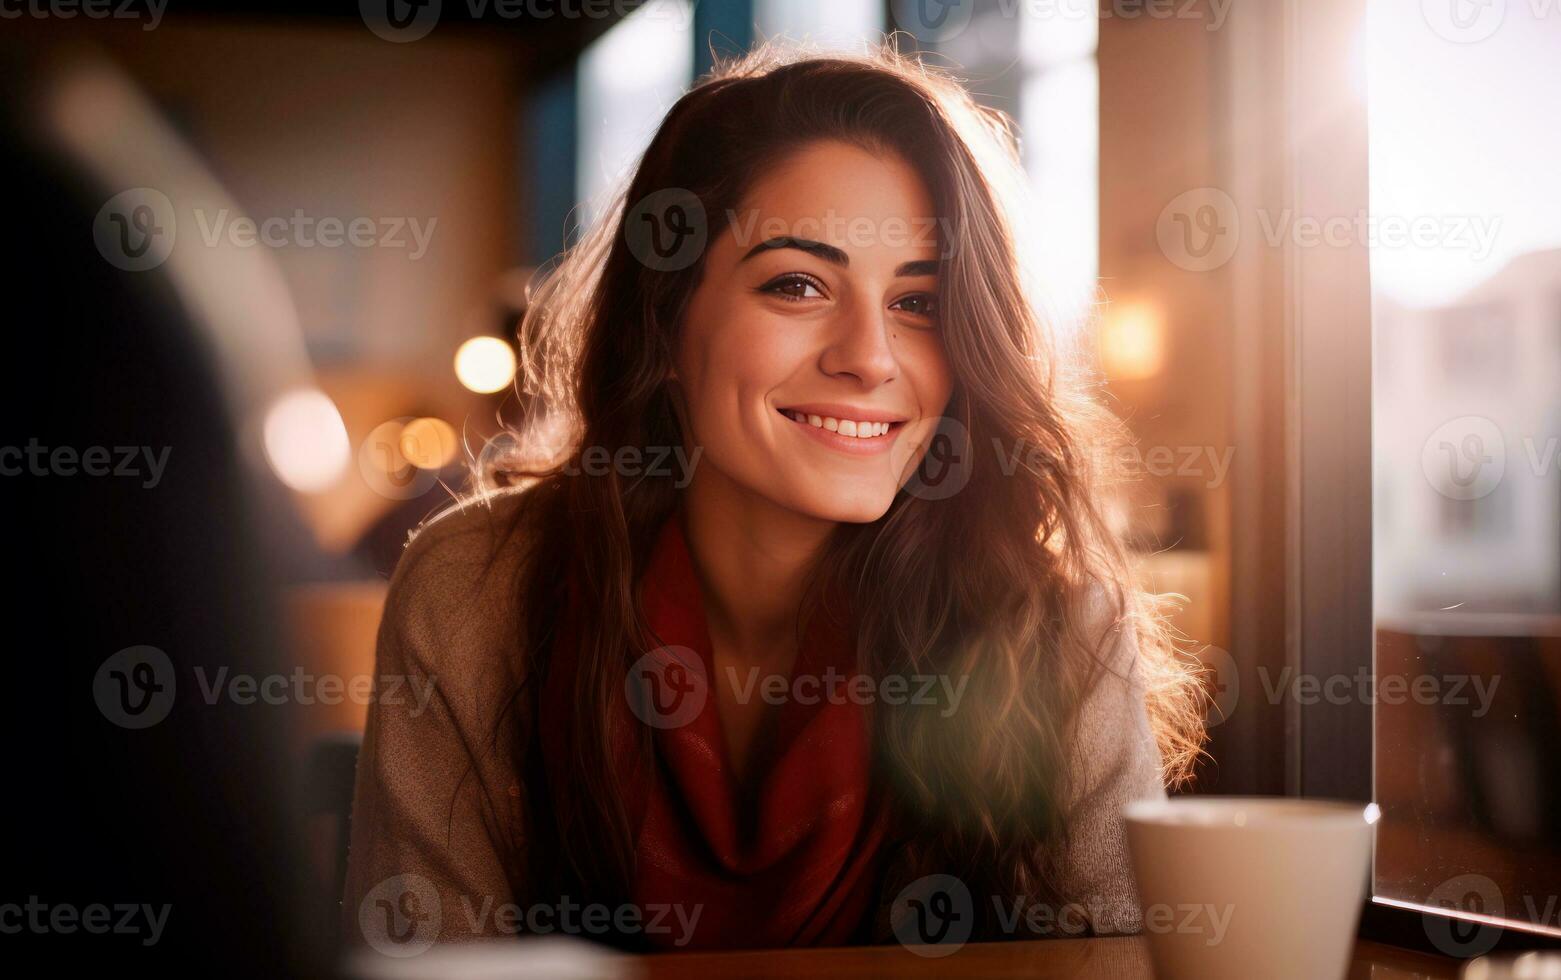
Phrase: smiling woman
(893, 486)
(844, 336)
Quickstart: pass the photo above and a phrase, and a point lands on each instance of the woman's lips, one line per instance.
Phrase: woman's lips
(850, 445)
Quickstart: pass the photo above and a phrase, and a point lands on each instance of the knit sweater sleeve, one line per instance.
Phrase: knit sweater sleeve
(1115, 760)
(435, 842)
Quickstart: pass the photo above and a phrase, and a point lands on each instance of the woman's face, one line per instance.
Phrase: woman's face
(811, 358)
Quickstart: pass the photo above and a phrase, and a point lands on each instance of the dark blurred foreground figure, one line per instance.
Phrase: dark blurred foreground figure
(154, 847)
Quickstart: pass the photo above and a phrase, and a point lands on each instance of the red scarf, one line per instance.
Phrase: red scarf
(794, 860)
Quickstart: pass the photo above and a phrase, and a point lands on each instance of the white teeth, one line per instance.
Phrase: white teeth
(846, 427)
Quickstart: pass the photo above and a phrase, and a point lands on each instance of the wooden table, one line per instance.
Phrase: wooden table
(1124, 958)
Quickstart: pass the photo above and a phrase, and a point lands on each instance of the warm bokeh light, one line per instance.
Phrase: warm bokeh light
(429, 443)
(485, 364)
(1132, 341)
(306, 440)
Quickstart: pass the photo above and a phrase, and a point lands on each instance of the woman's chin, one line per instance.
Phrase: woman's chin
(847, 505)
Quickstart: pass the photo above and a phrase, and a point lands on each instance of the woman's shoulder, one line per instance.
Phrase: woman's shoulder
(472, 532)
(454, 600)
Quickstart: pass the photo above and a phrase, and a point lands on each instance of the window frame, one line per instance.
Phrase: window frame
(1331, 748)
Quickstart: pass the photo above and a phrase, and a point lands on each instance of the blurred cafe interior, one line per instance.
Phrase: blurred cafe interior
(1311, 250)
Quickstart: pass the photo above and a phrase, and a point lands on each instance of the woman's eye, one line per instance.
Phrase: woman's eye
(794, 287)
(917, 304)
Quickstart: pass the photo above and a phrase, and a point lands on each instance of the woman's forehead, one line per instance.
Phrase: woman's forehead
(842, 196)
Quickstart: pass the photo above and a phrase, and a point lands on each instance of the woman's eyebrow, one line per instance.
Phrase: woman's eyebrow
(828, 253)
(831, 254)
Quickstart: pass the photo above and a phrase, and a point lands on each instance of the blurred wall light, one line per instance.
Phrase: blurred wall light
(826, 24)
(628, 79)
(485, 364)
(305, 440)
(1132, 341)
(428, 443)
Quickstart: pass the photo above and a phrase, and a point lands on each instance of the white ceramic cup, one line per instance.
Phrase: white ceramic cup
(1239, 887)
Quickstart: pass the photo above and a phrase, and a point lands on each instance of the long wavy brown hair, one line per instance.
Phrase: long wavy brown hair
(996, 583)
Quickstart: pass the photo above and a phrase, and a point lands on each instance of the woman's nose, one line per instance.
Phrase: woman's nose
(860, 347)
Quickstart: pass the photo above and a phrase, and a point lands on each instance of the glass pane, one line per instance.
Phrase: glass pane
(848, 24)
(1465, 236)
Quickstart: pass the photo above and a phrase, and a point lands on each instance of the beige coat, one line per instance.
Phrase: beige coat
(437, 812)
